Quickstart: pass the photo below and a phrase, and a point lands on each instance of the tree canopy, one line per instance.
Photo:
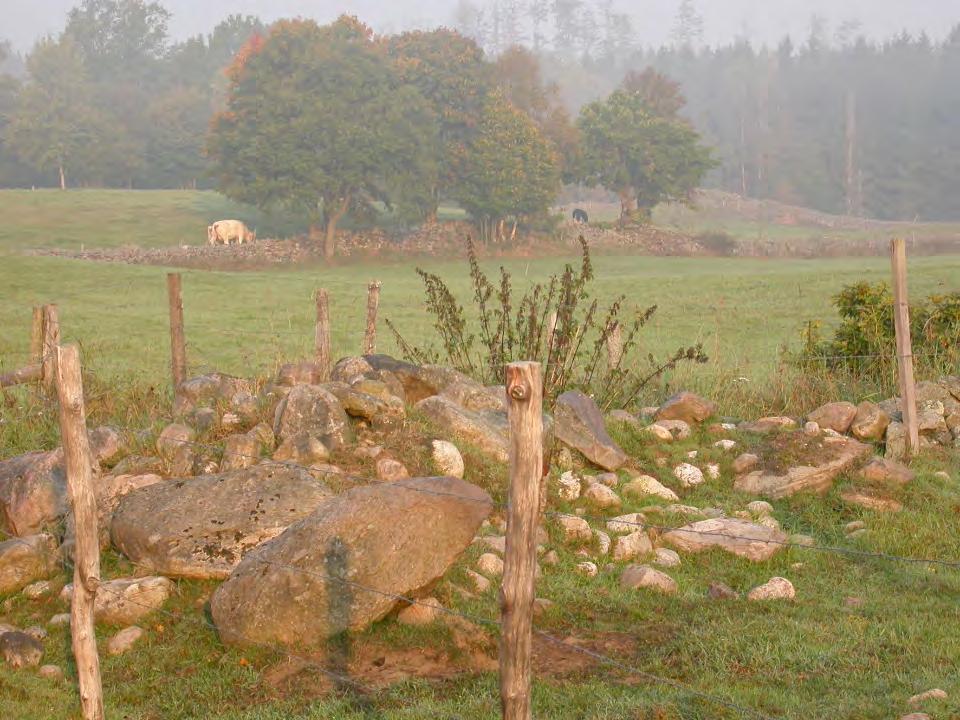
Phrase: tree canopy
(318, 120)
(643, 158)
(510, 170)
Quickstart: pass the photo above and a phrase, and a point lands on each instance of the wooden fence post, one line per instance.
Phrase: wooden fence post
(36, 336)
(51, 341)
(525, 410)
(322, 334)
(178, 343)
(373, 302)
(614, 346)
(86, 563)
(901, 317)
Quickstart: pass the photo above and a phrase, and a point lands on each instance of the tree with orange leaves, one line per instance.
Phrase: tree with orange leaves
(319, 121)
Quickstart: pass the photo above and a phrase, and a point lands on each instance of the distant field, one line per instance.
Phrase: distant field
(742, 310)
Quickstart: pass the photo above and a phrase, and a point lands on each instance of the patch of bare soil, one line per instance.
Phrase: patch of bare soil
(375, 665)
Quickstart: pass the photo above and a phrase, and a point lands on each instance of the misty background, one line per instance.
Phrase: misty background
(847, 107)
(761, 21)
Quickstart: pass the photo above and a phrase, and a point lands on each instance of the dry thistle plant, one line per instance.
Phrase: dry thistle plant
(555, 323)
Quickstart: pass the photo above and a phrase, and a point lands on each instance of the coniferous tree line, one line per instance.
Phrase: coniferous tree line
(836, 122)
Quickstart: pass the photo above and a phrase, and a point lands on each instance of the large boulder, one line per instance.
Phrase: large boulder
(33, 487)
(686, 406)
(740, 537)
(579, 424)
(203, 526)
(843, 455)
(33, 491)
(24, 560)
(344, 566)
(314, 410)
(487, 430)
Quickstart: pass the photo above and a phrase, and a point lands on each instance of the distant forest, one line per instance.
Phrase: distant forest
(837, 122)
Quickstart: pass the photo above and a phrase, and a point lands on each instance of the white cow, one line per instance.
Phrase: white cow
(225, 232)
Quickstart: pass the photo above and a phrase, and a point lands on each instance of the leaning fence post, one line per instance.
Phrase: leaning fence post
(373, 302)
(86, 562)
(524, 407)
(36, 336)
(178, 343)
(901, 317)
(322, 334)
(51, 340)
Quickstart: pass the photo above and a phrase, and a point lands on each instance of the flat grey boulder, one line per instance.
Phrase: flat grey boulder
(344, 566)
(124, 601)
(202, 527)
(314, 410)
(843, 455)
(739, 537)
(686, 406)
(24, 560)
(578, 423)
(488, 430)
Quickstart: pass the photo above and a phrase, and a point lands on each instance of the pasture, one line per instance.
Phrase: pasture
(863, 635)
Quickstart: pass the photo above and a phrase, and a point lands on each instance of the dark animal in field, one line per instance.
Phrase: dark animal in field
(580, 216)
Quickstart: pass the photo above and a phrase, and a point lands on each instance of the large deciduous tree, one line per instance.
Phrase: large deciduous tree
(509, 170)
(318, 120)
(449, 71)
(646, 159)
(54, 126)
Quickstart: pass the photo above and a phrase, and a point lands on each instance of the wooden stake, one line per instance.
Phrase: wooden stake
(178, 343)
(373, 302)
(36, 336)
(322, 334)
(86, 564)
(51, 340)
(614, 347)
(901, 317)
(525, 410)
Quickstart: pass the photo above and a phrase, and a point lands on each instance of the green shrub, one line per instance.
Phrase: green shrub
(554, 323)
(864, 343)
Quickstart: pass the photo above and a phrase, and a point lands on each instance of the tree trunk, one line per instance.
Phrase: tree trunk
(628, 205)
(333, 217)
(63, 179)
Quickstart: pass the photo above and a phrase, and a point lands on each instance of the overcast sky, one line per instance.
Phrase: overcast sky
(22, 21)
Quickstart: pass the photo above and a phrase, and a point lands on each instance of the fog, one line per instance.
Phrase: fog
(763, 21)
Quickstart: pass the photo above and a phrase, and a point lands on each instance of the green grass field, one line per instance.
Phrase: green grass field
(817, 657)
